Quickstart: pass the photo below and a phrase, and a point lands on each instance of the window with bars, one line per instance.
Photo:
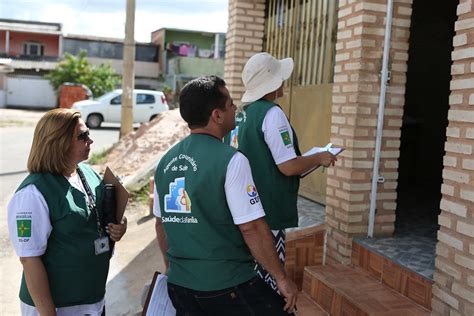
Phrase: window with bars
(33, 49)
(306, 31)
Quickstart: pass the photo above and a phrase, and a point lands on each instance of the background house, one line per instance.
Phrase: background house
(102, 50)
(187, 54)
(29, 50)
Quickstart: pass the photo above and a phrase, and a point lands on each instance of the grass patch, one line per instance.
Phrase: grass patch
(98, 158)
(141, 196)
(11, 123)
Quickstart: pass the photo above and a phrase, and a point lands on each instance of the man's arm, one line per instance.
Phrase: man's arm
(162, 242)
(274, 126)
(301, 164)
(259, 239)
(38, 285)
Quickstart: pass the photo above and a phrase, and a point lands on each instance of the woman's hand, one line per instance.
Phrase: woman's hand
(116, 231)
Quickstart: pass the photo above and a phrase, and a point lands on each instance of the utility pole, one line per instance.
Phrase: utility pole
(128, 79)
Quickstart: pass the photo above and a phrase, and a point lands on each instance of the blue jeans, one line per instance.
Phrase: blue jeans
(253, 297)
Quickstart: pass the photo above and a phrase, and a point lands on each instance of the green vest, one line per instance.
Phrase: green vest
(206, 249)
(278, 193)
(76, 275)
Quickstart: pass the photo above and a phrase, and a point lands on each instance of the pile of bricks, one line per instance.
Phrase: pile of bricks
(68, 94)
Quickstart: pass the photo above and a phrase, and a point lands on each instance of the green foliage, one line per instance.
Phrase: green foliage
(167, 89)
(100, 79)
(142, 195)
(98, 158)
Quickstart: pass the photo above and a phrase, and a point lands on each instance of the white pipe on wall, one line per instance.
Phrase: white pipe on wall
(378, 138)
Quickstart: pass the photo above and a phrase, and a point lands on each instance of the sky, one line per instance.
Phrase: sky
(106, 18)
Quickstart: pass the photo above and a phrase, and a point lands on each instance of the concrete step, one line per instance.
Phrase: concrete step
(348, 290)
(406, 282)
(308, 307)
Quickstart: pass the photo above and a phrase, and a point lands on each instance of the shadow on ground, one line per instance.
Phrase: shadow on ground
(136, 258)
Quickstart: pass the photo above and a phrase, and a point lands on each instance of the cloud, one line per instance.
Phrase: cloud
(147, 22)
(106, 18)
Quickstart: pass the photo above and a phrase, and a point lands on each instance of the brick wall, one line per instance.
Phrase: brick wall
(244, 39)
(359, 49)
(454, 275)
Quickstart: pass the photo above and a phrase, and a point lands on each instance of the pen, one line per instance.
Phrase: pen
(326, 148)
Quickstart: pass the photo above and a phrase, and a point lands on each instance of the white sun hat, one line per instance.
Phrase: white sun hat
(263, 74)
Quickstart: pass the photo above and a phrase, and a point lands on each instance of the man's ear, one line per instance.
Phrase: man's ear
(217, 116)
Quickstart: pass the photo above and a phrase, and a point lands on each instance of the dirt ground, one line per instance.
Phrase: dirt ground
(143, 147)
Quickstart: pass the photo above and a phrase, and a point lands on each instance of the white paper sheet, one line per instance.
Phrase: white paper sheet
(160, 303)
(333, 150)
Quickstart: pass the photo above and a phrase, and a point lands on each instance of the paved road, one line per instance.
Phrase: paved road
(15, 143)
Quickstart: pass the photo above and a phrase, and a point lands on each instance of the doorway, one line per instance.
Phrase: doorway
(425, 118)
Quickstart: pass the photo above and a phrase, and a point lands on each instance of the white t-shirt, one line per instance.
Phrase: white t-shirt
(238, 180)
(28, 210)
(278, 135)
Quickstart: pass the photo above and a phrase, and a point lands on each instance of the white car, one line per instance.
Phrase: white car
(147, 104)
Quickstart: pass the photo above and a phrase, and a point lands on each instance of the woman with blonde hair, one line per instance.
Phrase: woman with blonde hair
(55, 221)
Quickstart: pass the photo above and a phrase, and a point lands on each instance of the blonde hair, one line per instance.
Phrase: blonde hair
(52, 140)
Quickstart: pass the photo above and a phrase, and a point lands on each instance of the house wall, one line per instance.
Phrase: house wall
(202, 40)
(195, 66)
(50, 42)
(244, 39)
(3, 41)
(359, 49)
(142, 68)
(453, 291)
(158, 38)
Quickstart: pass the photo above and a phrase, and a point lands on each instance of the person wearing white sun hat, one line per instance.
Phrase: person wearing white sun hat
(264, 134)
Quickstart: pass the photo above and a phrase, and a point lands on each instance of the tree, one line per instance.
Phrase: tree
(100, 79)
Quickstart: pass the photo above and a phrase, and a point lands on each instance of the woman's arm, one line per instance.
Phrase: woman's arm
(38, 285)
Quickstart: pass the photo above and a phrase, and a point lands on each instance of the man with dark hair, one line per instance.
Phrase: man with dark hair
(210, 224)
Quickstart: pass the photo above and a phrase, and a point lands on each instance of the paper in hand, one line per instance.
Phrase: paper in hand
(333, 150)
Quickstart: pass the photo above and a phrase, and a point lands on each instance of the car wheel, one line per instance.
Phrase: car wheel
(153, 117)
(94, 120)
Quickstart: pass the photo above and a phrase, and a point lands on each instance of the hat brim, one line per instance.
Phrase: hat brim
(286, 68)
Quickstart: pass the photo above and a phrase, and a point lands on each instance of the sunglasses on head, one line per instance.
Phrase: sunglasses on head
(84, 136)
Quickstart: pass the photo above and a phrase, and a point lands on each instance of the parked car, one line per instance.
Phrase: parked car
(147, 104)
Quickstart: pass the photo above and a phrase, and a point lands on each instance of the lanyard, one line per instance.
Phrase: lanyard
(91, 200)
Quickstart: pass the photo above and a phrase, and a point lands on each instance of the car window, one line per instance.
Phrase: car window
(145, 98)
(116, 100)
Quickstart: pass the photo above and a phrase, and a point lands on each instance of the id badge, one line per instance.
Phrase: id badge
(101, 245)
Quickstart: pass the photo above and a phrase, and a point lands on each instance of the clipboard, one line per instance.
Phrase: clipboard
(121, 193)
(333, 150)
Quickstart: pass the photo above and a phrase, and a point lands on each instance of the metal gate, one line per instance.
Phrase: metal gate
(306, 31)
(30, 92)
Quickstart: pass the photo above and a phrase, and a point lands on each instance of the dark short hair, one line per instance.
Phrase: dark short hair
(199, 98)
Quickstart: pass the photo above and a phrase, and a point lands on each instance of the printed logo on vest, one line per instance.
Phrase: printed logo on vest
(240, 117)
(252, 192)
(234, 141)
(177, 200)
(285, 136)
(23, 227)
